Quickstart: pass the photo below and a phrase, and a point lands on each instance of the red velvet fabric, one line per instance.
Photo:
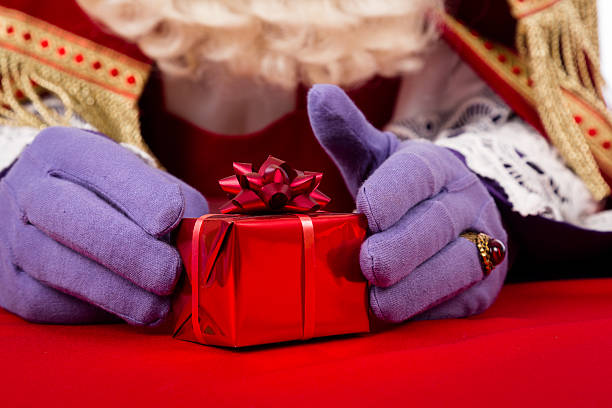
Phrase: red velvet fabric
(541, 344)
(201, 157)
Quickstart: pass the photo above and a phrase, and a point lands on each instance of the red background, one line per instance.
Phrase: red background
(541, 344)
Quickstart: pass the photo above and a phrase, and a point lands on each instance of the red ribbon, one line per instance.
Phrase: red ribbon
(309, 262)
(275, 187)
(195, 277)
(310, 280)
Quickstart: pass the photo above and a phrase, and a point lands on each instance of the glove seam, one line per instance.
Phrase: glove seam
(390, 138)
(87, 254)
(435, 189)
(381, 313)
(481, 212)
(370, 210)
(443, 299)
(52, 171)
(462, 183)
(12, 194)
(110, 200)
(12, 259)
(109, 309)
(332, 113)
(447, 214)
(19, 269)
(179, 216)
(372, 268)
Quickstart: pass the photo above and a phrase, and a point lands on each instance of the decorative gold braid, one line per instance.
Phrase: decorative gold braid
(485, 252)
(19, 115)
(481, 240)
(588, 14)
(49, 115)
(559, 50)
(95, 82)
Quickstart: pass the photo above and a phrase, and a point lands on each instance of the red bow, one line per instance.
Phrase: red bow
(276, 187)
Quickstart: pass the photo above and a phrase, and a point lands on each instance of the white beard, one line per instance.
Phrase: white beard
(280, 42)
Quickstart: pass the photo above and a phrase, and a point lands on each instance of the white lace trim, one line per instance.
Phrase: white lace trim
(601, 221)
(13, 139)
(481, 111)
(529, 170)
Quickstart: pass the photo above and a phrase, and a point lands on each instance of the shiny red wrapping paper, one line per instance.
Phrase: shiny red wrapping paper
(271, 278)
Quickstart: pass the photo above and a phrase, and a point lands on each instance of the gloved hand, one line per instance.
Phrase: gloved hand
(418, 198)
(83, 231)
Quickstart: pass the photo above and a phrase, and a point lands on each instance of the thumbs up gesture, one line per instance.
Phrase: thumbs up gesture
(418, 199)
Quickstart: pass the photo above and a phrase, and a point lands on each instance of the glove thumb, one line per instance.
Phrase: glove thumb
(356, 146)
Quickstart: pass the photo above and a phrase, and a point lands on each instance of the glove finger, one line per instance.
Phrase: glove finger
(75, 275)
(454, 269)
(33, 301)
(482, 295)
(414, 173)
(114, 173)
(195, 203)
(472, 301)
(80, 220)
(356, 146)
(390, 255)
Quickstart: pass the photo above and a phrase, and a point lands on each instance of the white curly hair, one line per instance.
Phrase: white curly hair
(282, 42)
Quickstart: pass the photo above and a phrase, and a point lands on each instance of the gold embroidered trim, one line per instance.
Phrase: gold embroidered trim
(588, 14)
(99, 84)
(522, 8)
(560, 54)
(587, 10)
(583, 144)
(481, 240)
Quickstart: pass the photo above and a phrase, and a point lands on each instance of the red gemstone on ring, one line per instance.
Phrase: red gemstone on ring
(497, 250)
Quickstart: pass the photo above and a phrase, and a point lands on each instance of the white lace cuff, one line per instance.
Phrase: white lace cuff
(530, 172)
(14, 139)
(12, 142)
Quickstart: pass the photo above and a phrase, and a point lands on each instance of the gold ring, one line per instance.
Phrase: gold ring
(492, 251)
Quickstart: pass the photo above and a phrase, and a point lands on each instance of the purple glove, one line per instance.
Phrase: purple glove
(418, 198)
(84, 231)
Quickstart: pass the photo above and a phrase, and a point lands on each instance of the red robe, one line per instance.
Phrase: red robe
(522, 350)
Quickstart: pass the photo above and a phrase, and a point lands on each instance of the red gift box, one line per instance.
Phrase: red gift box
(272, 278)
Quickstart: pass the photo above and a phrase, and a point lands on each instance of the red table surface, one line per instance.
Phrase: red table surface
(541, 344)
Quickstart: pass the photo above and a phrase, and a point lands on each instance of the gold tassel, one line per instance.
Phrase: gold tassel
(588, 14)
(559, 45)
(16, 78)
(98, 84)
